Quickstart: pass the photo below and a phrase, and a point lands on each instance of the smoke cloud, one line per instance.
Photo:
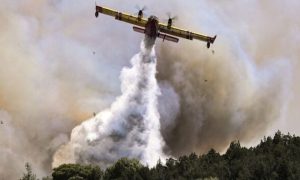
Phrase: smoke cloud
(130, 128)
(59, 65)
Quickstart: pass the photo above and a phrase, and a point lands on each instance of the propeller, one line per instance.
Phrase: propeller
(140, 10)
(171, 19)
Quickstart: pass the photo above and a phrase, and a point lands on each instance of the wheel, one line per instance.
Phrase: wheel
(96, 14)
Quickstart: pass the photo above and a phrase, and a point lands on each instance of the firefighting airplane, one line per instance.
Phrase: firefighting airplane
(153, 28)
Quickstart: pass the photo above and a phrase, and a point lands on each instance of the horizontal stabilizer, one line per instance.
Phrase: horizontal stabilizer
(167, 37)
(137, 29)
(160, 35)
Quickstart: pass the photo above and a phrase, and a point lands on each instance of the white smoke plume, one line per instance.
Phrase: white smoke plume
(59, 64)
(129, 128)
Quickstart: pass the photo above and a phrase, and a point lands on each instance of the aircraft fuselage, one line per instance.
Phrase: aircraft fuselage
(151, 28)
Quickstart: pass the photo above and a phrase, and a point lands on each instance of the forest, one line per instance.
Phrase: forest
(276, 157)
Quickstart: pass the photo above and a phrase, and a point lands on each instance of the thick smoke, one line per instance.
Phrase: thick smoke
(59, 64)
(129, 128)
(224, 94)
(225, 98)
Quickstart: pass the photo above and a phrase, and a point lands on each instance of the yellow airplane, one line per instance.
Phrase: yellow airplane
(152, 28)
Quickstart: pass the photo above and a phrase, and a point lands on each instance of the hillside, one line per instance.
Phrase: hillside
(275, 157)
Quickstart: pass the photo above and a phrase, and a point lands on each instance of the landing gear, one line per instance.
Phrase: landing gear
(96, 14)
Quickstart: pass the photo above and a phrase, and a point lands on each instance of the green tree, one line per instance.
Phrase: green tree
(276, 157)
(125, 169)
(28, 175)
(77, 172)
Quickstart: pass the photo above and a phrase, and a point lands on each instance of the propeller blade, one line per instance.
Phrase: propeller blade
(144, 8)
(139, 8)
(175, 18)
(169, 15)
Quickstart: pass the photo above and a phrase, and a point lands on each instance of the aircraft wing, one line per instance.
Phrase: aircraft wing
(186, 34)
(135, 20)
